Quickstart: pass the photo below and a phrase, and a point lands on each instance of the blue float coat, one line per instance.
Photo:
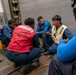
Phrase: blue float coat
(66, 51)
(41, 28)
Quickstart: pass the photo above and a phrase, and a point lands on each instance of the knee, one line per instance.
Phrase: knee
(43, 35)
(52, 49)
(38, 50)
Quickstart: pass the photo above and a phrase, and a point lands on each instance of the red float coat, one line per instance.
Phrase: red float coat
(22, 37)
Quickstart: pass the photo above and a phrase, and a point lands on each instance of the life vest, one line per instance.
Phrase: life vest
(57, 35)
(22, 39)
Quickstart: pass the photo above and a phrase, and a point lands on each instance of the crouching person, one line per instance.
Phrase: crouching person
(7, 32)
(24, 46)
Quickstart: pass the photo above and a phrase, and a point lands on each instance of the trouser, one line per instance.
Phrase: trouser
(24, 58)
(47, 41)
(49, 44)
(53, 48)
(42, 36)
(5, 41)
(59, 68)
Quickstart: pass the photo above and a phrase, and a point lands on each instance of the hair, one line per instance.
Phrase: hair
(11, 21)
(29, 21)
(16, 19)
(40, 17)
(57, 17)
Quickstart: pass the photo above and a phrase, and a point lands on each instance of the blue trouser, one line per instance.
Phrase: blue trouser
(49, 44)
(40, 35)
(53, 48)
(43, 38)
(59, 68)
(5, 41)
(47, 41)
(24, 58)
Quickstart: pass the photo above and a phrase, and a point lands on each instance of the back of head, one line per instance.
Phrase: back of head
(57, 17)
(29, 21)
(40, 17)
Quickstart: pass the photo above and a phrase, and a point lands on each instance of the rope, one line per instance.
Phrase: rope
(34, 71)
(46, 65)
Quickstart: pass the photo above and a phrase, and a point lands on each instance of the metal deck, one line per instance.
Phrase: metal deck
(7, 67)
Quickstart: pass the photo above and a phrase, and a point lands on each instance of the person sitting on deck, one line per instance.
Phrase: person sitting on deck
(64, 62)
(42, 27)
(7, 32)
(24, 46)
(59, 32)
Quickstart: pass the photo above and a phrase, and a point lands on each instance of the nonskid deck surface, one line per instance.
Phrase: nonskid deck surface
(7, 67)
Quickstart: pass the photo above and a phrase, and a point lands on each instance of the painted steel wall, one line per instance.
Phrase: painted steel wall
(2, 19)
(6, 8)
(47, 9)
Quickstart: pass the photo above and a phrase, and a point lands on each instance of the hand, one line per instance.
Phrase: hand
(66, 40)
(48, 33)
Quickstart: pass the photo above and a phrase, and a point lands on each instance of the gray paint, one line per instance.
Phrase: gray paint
(6, 7)
(47, 9)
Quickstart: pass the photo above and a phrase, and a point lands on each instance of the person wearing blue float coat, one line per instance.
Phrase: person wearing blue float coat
(7, 32)
(43, 26)
(67, 47)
